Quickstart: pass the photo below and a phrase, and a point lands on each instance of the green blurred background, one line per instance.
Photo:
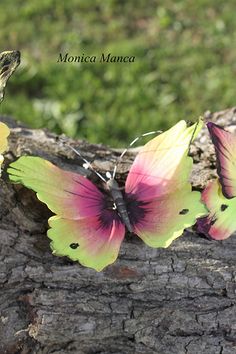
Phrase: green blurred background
(185, 64)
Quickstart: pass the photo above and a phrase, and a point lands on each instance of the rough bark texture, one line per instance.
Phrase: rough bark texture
(165, 301)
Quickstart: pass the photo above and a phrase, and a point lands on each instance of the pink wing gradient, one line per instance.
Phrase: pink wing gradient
(220, 222)
(159, 196)
(94, 241)
(163, 164)
(225, 148)
(219, 195)
(85, 228)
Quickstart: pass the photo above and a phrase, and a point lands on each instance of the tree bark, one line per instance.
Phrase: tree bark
(165, 301)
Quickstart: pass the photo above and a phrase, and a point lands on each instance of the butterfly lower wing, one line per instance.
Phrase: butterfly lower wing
(162, 220)
(4, 133)
(163, 164)
(225, 148)
(67, 194)
(84, 229)
(221, 221)
(94, 241)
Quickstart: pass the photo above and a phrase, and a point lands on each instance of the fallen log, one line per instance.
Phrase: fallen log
(163, 301)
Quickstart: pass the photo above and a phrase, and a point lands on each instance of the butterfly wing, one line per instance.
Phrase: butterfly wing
(94, 241)
(85, 228)
(221, 221)
(67, 194)
(159, 196)
(163, 164)
(4, 132)
(225, 148)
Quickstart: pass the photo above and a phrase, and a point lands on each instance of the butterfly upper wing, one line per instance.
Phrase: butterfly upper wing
(94, 241)
(83, 217)
(159, 196)
(67, 194)
(4, 132)
(225, 148)
(220, 222)
(163, 164)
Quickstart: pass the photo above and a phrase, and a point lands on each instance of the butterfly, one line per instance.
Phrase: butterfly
(9, 61)
(4, 132)
(220, 194)
(157, 203)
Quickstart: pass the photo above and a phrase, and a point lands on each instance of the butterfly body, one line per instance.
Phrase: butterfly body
(119, 202)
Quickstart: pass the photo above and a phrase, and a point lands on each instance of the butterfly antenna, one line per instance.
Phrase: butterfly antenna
(88, 164)
(130, 145)
(194, 131)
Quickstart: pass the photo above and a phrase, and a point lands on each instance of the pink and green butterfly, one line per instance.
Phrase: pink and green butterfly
(157, 203)
(220, 194)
